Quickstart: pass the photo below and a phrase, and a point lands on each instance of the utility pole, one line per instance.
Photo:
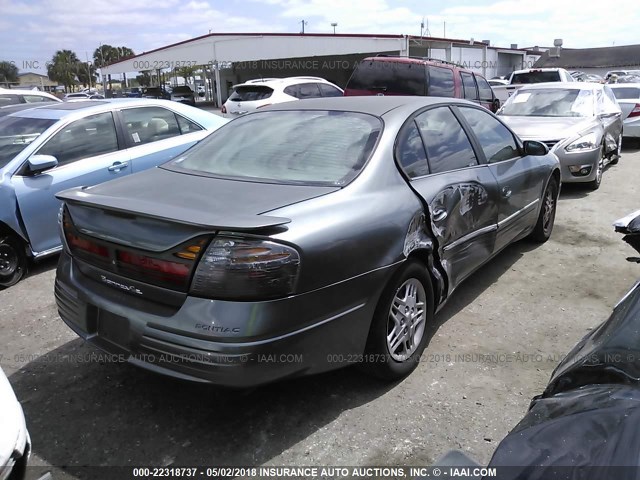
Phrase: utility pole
(334, 25)
(303, 22)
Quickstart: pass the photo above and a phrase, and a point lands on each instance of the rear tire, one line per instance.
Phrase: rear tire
(397, 336)
(546, 218)
(13, 260)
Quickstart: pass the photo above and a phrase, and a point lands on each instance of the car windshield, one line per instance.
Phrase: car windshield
(550, 103)
(300, 147)
(536, 77)
(16, 133)
(388, 77)
(250, 94)
(627, 93)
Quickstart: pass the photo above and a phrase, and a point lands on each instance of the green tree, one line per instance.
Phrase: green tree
(123, 53)
(63, 68)
(144, 79)
(185, 72)
(8, 72)
(86, 73)
(105, 55)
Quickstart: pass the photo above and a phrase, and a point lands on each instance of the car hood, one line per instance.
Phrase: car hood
(548, 128)
(206, 202)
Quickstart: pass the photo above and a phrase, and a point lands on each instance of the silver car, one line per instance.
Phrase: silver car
(580, 122)
(628, 96)
(300, 238)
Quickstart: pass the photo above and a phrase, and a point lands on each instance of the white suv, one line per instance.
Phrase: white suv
(253, 94)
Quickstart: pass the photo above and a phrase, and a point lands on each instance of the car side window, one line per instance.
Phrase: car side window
(88, 137)
(9, 99)
(329, 90)
(187, 126)
(35, 99)
(292, 90)
(469, 85)
(447, 144)
(308, 90)
(149, 124)
(441, 82)
(484, 89)
(497, 142)
(410, 152)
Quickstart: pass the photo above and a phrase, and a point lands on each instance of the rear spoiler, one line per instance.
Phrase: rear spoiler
(188, 216)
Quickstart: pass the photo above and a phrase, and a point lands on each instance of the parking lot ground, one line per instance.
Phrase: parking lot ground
(492, 348)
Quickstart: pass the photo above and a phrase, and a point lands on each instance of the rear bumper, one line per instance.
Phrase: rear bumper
(238, 344)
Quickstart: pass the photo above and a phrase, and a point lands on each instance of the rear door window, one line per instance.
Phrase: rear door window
(149, 124)
(389, 78)
(308, 90)
(497, 142)
(250, 93)
(329, 90)
(441, 82)
(469, 85)
(448, 147)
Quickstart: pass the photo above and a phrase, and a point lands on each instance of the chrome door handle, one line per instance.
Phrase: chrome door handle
(506, 192)
(439, 215)
(117, 166)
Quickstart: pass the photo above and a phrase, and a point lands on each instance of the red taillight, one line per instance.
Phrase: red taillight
(86, 245)
(170, 269)
(636, 111)
(223, 109)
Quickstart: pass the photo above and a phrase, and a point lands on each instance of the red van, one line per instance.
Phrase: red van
(394, 75)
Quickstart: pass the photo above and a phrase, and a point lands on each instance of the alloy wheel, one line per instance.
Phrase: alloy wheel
(407, 318)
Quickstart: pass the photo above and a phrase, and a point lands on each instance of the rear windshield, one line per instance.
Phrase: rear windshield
(182, 90)
(550, 103)
(536, 77)
(17, 132)
(384, 77)
(250, 94)
(300, 147)
(8, 99)
(627, 93)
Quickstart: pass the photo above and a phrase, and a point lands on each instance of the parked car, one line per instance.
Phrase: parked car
(134, 92)
(528, 76)
(183, 94)
(497, 82)
(628, 96)
(18, 96)
(580, 122)
(620, 73)
(157, 93)
(627, 79)
(15, 443)
(394, 75)
(253, 94)
(585, 423)
(83, 96)
(239, 246)
(50, 148)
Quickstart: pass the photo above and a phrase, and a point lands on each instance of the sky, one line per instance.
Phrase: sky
(32, 30)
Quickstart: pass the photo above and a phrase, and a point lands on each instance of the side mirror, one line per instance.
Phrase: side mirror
(39, 163)
(532, 147)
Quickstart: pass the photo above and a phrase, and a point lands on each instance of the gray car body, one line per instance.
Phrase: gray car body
(559, 132)
(351, 239)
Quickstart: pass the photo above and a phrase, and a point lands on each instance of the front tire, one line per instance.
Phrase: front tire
(13, 260)
(397, 336)
(546, 218)
(595, 183)
(616, 156)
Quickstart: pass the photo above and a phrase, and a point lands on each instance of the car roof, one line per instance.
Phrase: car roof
(620, 85)
(541, 69)
(372, 104)
(282, 82)
(419, 61)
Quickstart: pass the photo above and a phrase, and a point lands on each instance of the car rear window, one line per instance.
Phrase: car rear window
(536, 77)
(182, 90)
(250, 93)
(9, 99)
(627, 93)
(301, 147)
(16, 133)
(392, 78)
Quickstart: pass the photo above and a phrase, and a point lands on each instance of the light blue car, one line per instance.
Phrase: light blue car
(48, 149)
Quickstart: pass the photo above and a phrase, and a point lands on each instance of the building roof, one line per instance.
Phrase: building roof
(33, 73)
(602, 57)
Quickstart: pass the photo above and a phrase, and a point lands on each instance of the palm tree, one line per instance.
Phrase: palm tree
(63, 68)
(103, 56)
(8, 73)
(86, 73)
(123, 53)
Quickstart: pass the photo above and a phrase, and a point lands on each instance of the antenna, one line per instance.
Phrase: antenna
(421, 26)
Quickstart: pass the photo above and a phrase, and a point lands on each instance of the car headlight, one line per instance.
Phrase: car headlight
(586, 142)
